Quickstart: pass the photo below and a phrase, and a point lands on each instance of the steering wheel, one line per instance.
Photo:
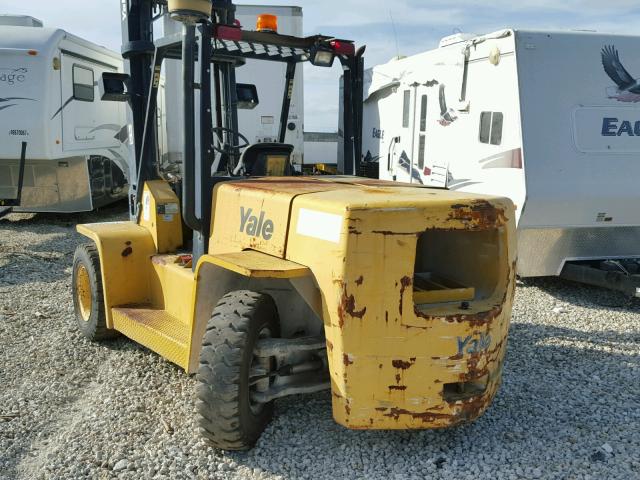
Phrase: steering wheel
(224, 148)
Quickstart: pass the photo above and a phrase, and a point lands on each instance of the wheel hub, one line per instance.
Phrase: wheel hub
(83, 292)
(262, 366)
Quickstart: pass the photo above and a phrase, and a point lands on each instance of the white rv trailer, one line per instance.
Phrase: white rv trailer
(259, 124)
(549, 119)
(75, 157)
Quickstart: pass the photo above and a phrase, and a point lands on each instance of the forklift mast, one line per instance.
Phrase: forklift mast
(216, 41)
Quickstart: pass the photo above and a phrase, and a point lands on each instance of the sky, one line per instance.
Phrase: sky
(387, 28)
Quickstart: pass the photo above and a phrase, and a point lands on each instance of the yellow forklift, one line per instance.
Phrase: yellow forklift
(264, 284)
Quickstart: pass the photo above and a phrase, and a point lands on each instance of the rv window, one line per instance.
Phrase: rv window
(496, 128)
(421, 148)
(405, 108)
(83, 84)
(485, 126)
(423, 114)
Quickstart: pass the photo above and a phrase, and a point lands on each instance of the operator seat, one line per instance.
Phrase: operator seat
(265, 160)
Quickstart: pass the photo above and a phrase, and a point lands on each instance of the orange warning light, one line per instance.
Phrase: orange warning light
(267, 23)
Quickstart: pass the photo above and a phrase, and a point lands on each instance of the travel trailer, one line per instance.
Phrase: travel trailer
(77, 150)
(75, 157)
(549, 119)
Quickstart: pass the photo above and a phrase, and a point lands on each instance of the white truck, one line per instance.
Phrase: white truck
(549, 119)
(259, 124)
(74, 153)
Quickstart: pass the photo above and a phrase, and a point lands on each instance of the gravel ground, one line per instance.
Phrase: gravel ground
(569, 406)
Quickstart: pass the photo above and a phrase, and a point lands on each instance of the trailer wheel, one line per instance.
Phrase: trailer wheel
(88, 299)
(228, 417)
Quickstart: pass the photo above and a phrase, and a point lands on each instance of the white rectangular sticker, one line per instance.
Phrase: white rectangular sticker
(322, 225)
(146, 206)
(171, 208)
(607, 129)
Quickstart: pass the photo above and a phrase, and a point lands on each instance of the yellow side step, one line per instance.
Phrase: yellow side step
(156, 330)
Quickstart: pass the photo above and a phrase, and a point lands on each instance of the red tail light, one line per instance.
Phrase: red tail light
(227, 32)
(343, 48)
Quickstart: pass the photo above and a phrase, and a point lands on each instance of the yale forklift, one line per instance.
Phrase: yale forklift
(395, 297)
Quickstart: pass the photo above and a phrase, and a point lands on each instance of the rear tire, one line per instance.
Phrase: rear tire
(227, 417)
(88, 296)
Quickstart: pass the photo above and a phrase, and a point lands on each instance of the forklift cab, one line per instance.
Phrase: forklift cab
(211, 46)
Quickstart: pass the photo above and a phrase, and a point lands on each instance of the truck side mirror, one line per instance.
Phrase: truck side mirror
(114, 87)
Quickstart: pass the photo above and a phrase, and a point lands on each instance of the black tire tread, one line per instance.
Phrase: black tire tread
(96, 328)
(224, 345)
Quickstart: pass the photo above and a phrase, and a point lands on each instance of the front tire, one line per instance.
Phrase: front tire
(88, 297)
(229, 419)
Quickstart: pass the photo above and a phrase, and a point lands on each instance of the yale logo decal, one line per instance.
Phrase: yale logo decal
(254, 225)
(470, 345)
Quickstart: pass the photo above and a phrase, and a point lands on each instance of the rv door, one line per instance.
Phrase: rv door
(419, 138)
(424, 169)
(404, 158)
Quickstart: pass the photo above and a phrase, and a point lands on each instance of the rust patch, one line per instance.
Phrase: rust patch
(398, 378)
(490, 357)
(397, 387)
(346, 360)
(386, 317)
(282, 185)
(380, 366)
(348, 306)
(128, 242)
(478, 215)
(389, 232)
(401, 364)
(359, 280)
(479, 319)
(426, 417)
(127, 251)
(354, 231)
(347, 409)
(405, 281)
(330, 345)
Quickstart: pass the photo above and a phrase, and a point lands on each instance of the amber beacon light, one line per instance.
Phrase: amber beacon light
(267, 23)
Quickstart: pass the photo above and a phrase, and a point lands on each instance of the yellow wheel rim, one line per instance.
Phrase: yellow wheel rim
(83, 292)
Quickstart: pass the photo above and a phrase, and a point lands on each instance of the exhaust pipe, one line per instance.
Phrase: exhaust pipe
(189, 150)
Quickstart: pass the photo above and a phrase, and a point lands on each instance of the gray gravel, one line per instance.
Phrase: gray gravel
(569, 406)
